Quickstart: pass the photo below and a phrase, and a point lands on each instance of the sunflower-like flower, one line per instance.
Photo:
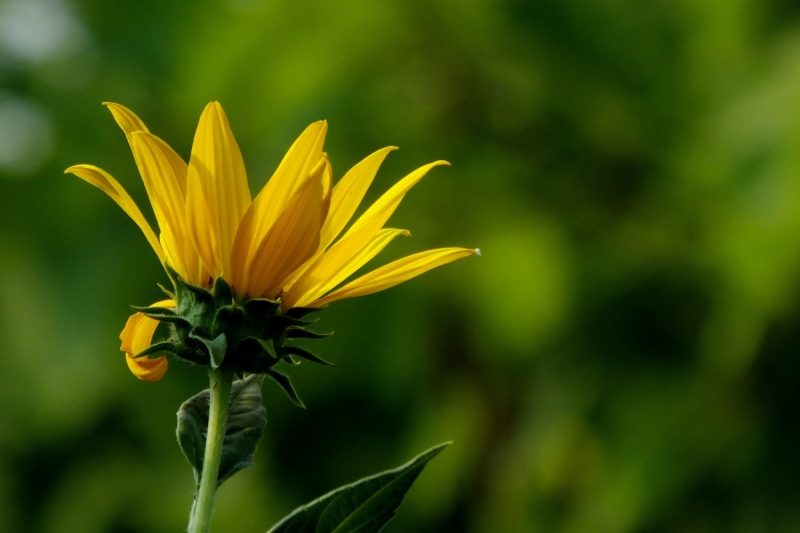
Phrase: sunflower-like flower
(251, 268)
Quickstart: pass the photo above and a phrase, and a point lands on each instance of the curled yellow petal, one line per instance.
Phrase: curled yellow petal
(332, 269)
(217, 191)
(396, 273)
(136, 337)
(103, 181)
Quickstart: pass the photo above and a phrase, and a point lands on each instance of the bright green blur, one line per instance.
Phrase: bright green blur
(623, 358)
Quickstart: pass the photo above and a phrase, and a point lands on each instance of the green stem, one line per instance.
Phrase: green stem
(220, 388)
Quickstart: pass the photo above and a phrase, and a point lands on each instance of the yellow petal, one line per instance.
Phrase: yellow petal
(137, 336)
(103, 181)
(379, 212)
(279, 191)
(349, 192)
(130, 124)
(291, 241)
(302, 157)
(327, 185)
(360, 234)
(325, 274)
(126, 119)
(395, 273)
(217, 190)
(164, 176)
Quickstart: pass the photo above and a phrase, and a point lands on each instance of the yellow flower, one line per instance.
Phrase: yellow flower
(278, 245)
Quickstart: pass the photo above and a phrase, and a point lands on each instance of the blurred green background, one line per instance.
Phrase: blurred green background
(624, 356)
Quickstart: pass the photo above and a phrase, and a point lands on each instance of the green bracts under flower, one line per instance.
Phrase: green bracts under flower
(211, 328)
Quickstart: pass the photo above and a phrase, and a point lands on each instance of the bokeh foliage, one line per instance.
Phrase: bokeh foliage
(623, 358)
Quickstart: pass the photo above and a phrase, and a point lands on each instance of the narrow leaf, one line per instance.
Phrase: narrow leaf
(365, 506)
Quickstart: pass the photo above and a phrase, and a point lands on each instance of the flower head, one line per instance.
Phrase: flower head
(280, 247)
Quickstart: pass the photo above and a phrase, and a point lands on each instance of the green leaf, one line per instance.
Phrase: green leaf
(247, 419)
(365, 506)
(191, 432)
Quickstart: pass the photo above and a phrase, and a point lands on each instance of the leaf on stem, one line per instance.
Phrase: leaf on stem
(247, 419)
(365, 506)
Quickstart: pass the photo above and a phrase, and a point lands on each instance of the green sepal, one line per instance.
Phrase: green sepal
(223, 295)
(228, 318)
(262, 307)
(162, 314)
(305, 354)
(174, 277)
(212, 327)
(282, 322)
(197, 291)
(365, 506)
(286, 384)
(216, 347)
(267, 346)
(156, 348)
(296, 332)
(166, 291)
(247, 419)
(301, 312)
(154, 311)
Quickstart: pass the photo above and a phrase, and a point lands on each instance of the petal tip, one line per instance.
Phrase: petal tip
(73, 169)
(477, 252)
